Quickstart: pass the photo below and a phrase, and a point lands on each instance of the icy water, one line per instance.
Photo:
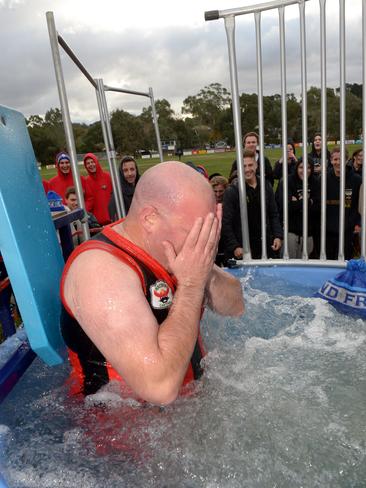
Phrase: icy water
(282, 404)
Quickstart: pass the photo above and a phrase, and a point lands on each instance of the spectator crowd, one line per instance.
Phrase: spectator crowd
(100, 203)
(231, 236)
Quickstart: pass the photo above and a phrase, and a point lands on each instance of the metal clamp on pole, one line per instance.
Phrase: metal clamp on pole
(212, 15)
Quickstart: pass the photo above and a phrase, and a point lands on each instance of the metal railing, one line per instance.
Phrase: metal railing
(100, 88)
(229, 19)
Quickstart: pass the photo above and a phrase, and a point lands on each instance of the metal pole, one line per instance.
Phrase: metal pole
(73, 56)
(70, 142)
(218, 14)
(281, 12)
(104, 120)
(107, 122)
(342, 182)
(363, 194)
(324, 162)
(154, 115)
(123, 90)
(257, 17)
(230, 34)
(304, 131)
(156, 125)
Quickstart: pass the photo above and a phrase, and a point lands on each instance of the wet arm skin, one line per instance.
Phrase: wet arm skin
(224, 293)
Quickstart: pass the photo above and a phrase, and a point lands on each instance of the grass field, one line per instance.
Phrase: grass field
(214, 163)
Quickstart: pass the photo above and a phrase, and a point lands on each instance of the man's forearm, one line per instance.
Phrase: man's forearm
(178, 333)
(224, 293)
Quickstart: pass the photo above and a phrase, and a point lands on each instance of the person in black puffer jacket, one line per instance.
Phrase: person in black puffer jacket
(352, 216)
(295, 208)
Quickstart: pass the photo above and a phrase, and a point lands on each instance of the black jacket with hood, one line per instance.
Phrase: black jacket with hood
(352, 190)
(128, 191)
(231, 223)
(295, 207)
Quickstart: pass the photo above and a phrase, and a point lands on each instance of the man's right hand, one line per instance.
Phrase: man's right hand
(238, 253)
(193, 263)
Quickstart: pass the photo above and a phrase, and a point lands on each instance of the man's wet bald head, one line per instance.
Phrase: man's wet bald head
(168, 200)
(170, 186)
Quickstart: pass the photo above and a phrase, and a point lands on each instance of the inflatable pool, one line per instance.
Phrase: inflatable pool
(281, 403)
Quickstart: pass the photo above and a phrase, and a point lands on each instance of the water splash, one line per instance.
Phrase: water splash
(281, 404)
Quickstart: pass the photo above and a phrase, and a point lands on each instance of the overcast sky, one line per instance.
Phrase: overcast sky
(166, 45)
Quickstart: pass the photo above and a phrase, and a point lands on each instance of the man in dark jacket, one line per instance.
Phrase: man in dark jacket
(356, 161)
(231, 223)
(250, 142)
(128, 176)
(352, 217)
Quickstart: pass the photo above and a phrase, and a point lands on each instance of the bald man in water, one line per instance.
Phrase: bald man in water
(133, 296)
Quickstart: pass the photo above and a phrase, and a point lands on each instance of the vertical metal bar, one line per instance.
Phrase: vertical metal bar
(111, 153)
(342, 182)
(230, 34)
(304, 130)
(257, 17)
(114, 164)
(70, 142)
(363, 194)
(323, 71)
(156, 124)
(281, 12)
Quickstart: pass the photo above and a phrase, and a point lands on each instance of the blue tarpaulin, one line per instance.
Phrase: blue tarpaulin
(347, 291)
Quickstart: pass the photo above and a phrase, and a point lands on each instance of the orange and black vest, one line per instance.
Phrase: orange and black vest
(90, 368)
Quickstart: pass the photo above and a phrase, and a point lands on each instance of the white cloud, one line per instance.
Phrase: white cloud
(166, 45)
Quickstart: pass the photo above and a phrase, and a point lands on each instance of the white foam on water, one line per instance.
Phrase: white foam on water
(4, 430)
(281, 404)
(57, 477)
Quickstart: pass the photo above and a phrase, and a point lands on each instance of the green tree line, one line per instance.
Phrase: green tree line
(205, 118)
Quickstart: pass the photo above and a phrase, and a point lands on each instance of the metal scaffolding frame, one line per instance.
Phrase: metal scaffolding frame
(100, 89)
(229, 19)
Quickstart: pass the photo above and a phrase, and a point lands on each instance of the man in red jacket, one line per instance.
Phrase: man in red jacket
(98, 189)
(63, 180)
